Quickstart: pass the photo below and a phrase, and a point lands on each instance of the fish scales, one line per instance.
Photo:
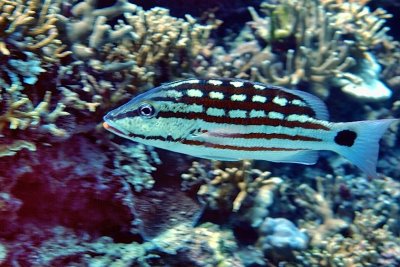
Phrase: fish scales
(232, 119)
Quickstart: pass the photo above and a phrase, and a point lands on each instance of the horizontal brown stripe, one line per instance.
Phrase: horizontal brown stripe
(265, 136)
(236, 135)
(240, 148)
(242, 105)
(243, 121)
(213, 145)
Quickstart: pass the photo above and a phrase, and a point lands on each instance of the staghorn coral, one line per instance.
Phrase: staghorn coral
(10, 149)
(197, 174)
(228, 187)
(330, 39)
(30, 25)
(351, 221)
(315, 43)
(236, 189)
(107, 62)
(318, 203)
(309, 60)
(366, 26)
(29, 47)
(20, 113)
(117, 60)
(97, 188)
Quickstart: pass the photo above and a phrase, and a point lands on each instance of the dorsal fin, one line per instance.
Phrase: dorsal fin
(313, 102)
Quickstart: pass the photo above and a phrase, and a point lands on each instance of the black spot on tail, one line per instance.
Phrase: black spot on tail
(345, 138)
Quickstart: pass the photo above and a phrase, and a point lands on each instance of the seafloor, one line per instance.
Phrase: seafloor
(73, 194)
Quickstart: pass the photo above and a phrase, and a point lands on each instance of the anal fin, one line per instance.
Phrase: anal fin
(308, 157)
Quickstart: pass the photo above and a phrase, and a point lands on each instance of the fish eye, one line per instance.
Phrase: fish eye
(146, 110)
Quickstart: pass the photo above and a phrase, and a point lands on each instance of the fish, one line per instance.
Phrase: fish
(235, 119)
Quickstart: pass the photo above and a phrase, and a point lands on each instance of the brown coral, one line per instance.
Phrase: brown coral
(142, 49)
(230, 186)
(367, 243)
(36, 21)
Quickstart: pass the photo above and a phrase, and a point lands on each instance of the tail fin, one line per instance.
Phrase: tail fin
(359, 142)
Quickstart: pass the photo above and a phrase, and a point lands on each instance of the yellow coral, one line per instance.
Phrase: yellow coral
(36, 21)
(15, 146)
(324, 39)
(135, 52)
(21, 113)
(232, 185)
(367, 241)
(354, 17)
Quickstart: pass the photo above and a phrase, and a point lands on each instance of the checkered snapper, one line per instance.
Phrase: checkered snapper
(233, 119)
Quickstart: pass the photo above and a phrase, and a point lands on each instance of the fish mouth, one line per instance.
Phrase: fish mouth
(112, 129)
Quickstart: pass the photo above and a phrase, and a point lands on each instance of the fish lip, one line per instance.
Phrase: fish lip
(109, 125)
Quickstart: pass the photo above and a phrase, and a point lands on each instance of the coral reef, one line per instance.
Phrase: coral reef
(107, 62)
(29, 47)
(30, 26)
(228, 187)
(207, 244)
(316, 203)
(317, 43)
(117, 60)
(135, 165)
(370, 244)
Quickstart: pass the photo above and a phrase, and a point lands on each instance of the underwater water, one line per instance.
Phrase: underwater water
(98, 168)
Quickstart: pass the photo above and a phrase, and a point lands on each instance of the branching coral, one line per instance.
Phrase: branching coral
(10, 149)
(141, 50)
(196, 175)
(370, 244)
(228, 188)
(349, 221)
(29, 46)
(317, 202)
(20, 113)
(318, 53)
(367, 27)
(30, 25)
(312, 42)
(329, 40)
(108, 62)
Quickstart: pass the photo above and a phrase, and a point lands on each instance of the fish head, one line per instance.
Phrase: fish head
(148, 119)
